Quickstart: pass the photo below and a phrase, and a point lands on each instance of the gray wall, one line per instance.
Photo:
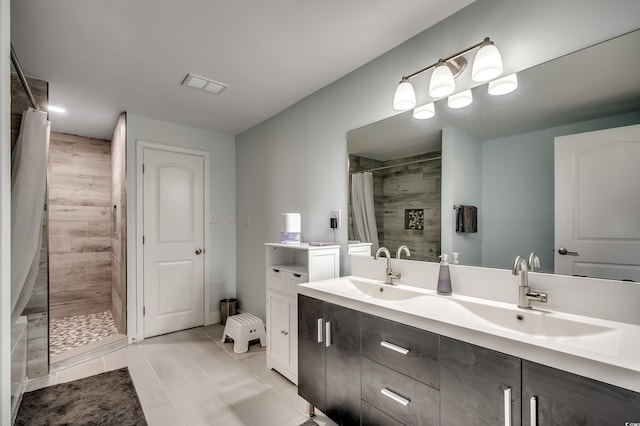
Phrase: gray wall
(297, 160)
(222, 237)
(519, 224)
(461, 184)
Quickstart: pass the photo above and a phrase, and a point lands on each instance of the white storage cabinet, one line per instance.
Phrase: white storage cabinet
(287, 266)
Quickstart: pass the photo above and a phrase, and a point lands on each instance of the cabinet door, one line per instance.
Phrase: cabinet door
(324, 264)
(473, 381)
(292, 321)
(343, 375)
(278, 329)
(564, 398)
(311, 351)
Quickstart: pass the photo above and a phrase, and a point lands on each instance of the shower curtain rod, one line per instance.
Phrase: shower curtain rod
(23, 79)
(375, 169)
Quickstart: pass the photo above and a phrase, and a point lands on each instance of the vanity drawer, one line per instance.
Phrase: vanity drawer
(277, 280)
(293, 281)
(399, 396)
(406, 349)
(371, 416)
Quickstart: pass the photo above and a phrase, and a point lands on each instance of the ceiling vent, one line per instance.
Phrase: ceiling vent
(201, 83)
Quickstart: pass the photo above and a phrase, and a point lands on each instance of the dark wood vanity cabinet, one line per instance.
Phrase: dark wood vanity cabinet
(329, 376)
(562, 398)
(478, 386)
(372, 371)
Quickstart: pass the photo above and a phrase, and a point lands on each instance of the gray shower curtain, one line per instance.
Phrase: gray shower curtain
(28, 188)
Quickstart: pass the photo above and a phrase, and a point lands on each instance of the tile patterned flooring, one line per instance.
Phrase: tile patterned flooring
(191, 378)
(72, 332)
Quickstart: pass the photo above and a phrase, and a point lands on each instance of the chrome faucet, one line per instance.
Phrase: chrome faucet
(534, 261)
(389, 273)
(404, 249)
(526, 295)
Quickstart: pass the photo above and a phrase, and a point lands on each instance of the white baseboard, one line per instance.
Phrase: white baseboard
(212, 318)
(216, 317)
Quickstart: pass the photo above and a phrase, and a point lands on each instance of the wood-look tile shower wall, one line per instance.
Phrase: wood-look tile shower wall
(79, 225)
(119, 223)
(407, 185)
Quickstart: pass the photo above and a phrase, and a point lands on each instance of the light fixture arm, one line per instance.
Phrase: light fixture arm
(487, 40)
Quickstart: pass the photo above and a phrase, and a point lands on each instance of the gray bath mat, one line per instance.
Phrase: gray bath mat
(104, 399)
(309, 423)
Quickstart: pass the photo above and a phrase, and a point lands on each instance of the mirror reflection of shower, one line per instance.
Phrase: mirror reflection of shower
(397, 202)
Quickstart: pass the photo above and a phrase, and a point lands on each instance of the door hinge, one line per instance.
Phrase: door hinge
(144, 310)
(143, 169)
(143, 239)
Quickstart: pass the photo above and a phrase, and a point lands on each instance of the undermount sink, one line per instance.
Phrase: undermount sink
(534, 322)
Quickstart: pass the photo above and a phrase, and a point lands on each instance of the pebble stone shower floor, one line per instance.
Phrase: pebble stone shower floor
(71, 332)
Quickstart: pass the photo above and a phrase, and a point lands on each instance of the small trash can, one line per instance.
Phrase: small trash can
(228, 307)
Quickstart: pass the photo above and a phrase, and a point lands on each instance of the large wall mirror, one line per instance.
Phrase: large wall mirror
(496, 154)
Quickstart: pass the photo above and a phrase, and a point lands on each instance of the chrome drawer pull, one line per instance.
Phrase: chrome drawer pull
(533, 411)
(397, 398)
(507, 407)
(327, 327)
(393, 347)
(319, 330)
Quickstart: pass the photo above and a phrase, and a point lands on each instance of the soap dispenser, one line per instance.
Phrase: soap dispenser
(444, 280)
(454, 257)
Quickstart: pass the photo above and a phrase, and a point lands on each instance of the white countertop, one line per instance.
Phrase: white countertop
(600, 349)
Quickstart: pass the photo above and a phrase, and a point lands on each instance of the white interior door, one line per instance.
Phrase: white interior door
(173, 241)
(597, 204)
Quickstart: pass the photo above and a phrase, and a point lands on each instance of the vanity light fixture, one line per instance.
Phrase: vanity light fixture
(425, 111)
(504, 85)
(460, 100)
(441, 83)
(405, 97)
(488, 63)
(486, 66)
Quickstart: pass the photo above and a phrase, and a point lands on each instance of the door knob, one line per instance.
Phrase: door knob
(563, 251)
(198, 251)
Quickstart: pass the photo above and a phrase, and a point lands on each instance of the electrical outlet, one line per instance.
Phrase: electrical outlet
(337, 215)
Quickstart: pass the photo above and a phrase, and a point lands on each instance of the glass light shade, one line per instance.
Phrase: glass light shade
(487, 64)
(405, 97)
(441, 83)
(425, 111)
(460, 100)
(503, 85)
